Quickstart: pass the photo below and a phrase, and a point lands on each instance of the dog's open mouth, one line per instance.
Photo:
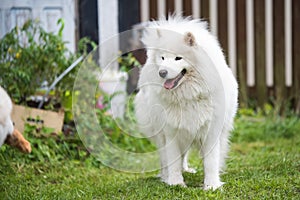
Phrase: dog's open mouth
(172, 83)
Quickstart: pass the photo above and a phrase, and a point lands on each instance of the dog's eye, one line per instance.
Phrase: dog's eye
(162, 58)
(178, 58)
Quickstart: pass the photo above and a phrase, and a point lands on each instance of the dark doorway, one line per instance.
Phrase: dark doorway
(88, 19)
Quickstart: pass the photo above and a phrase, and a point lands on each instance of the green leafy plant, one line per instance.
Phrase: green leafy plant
(49, 146)
(29, 56)
(127, 62)
(116, 130)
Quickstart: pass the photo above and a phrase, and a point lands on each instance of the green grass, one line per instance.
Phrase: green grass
(264, 163)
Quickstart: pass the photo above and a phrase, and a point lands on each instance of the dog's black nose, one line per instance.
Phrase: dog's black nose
(163, 73)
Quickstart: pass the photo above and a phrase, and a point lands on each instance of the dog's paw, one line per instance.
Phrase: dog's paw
(190, 170)
(162, 177)
(25, 147)
(182, 184)
(213, 186)
(175, 180)
(17, 140)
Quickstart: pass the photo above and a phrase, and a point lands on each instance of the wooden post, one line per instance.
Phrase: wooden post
(260, 53)
(241, 51)
(187, 7)
(223, 26)
(153, 9)
(279, 54)
(205, 10)
(296, 54)
(170, 6)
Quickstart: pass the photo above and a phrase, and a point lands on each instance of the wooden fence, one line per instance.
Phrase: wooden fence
(261, 40)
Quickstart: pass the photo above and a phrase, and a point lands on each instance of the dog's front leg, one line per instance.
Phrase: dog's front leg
(160, 141)
(174, 162)
(211, 154)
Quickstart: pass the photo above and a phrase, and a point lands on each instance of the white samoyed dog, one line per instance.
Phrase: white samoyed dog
(6, 124)
(187, 95)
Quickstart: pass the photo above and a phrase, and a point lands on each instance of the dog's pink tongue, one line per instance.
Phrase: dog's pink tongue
(170, 83)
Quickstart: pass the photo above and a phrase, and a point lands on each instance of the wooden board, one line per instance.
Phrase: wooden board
(40, 118)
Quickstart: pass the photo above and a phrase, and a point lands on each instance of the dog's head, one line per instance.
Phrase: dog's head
(172, 69)
(171, 52)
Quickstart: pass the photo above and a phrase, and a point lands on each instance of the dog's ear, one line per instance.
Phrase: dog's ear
(189, 39)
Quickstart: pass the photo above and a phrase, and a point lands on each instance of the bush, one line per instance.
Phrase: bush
(264, 125)
(29, 56)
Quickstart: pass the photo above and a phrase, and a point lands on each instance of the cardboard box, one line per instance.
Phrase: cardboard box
(38, 117)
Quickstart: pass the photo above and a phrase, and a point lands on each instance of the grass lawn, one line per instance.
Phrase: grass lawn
(264, 163)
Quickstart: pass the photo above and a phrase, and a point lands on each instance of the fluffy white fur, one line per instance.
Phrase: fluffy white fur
(6, 124)
(198, 110)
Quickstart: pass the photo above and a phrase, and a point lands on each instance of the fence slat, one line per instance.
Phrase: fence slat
(288, 41)
(161, 8)
(187, 7)
(170, 6)
(153, 9)
(223, 25)
(144, 10)
(250, 43)
(178, 6)
(269, 42)
(196, 7)
(205, 10)
(241, 51)
(232, 36)
(260, 70)
(213, 15)
(278, 17)
(296, 53)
